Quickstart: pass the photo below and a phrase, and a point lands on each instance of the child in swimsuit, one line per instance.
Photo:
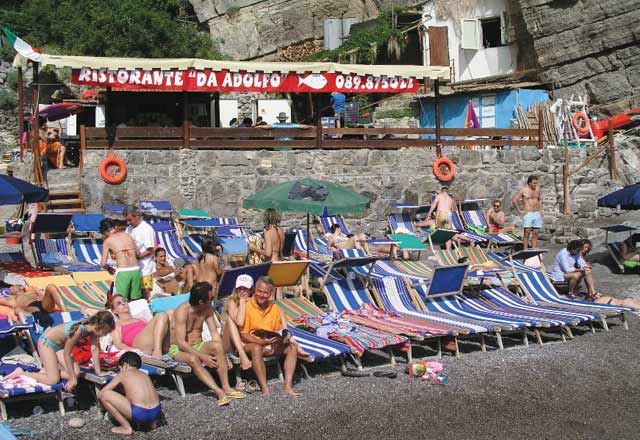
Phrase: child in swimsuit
(140, 403)
(55, 344)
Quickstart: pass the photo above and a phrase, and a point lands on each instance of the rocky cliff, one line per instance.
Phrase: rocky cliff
(248, 29)
(588, 47)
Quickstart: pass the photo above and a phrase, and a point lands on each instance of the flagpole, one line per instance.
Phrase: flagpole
(21, 113)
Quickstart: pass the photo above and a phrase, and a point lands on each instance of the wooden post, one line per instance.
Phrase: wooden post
(540, 128)
(216, 109)
(35, 134)
(319, 134)
(186, 134)
(436, 94)
(566, 202)
(613, 168)
(83, 146)
(21, 113)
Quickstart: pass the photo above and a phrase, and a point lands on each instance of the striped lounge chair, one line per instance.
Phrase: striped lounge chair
(167, 238)
(74, 296)
(87, 250)
(327, 221)
(539, 288)
(478, 219)
(53, 253)
(300, 311)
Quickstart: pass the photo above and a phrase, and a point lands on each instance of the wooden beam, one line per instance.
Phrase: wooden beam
(21, 113)
(540, 128)
(436, 94)
(613, 168)
(83, 146)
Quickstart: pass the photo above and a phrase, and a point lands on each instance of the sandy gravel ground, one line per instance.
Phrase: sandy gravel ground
(586, 388)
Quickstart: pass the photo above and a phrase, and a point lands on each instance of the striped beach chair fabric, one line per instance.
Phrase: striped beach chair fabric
(54, 253)
(478, 219)
(87, 250)
(300, 311)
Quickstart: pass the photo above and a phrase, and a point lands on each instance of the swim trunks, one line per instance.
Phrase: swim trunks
(533, 220)
(145, 415)
(174, 349)
(443, 220)
(128, 282)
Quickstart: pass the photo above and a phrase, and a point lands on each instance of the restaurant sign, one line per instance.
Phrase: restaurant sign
(207, 80)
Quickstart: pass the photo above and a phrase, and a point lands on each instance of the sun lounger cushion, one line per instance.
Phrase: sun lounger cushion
(169, 303)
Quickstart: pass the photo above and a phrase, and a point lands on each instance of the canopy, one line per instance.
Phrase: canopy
(63, 110)
(626, 198)
(198, 75)
(308, 196)
(15, 191)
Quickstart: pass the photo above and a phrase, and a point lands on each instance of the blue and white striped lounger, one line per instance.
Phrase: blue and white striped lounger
(317, 347)
(87, 250)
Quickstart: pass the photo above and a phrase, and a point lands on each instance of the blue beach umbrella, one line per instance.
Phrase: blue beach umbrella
(15, 191)
(627, 198)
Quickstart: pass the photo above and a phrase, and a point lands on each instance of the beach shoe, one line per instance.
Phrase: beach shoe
(224, 401)
(252, 387)
(388, 374)
(351, 372)
(236, 395)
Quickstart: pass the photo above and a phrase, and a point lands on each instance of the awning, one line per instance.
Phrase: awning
(192, 74)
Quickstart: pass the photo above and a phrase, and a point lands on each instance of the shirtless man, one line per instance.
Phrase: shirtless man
(444, 206)
(532, 210)
(273, 237)
(187, 345)
(127, 281)
(32, 300)
(205, 269)
(496, 218)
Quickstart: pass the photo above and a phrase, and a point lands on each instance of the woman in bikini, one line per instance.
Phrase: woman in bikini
(54, 349)
(273, 237)
(205, 268)
(151, 338)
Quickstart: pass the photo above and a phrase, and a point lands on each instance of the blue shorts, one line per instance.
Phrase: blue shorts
(145, 415)
(532, 220)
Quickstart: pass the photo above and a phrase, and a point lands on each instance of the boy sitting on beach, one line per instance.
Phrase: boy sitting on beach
(140, 403)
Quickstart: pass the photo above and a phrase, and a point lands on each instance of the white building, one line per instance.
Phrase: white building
(476, 39)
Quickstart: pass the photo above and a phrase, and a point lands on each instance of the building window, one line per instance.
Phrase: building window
(491, 32)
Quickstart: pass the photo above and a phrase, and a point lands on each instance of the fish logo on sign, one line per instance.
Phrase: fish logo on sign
(314, 81)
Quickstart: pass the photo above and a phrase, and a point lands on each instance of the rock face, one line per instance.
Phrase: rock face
(247, 29)
(218, 181)
(588, 47)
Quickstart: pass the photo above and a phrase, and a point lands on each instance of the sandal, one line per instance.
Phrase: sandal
(224, 401)
(236, 395)
(252, 387)
(388, 374)
(350, 372)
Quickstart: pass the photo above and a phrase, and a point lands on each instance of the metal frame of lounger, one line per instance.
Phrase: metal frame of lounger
(539, 289)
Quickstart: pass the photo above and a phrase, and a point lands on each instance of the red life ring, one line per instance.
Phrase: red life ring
(107, 172)
(581, 124)
(443, 169)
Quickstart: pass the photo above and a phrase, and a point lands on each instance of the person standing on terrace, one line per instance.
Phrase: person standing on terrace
(530, 198)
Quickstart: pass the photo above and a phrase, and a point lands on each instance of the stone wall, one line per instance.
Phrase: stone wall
(248, 29)
(588, 47)
(218, 180)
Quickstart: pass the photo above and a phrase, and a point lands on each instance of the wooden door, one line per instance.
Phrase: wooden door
(438, 46)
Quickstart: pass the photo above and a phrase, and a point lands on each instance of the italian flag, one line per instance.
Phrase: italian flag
(21, 46)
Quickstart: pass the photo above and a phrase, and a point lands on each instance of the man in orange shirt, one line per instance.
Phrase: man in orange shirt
(265, 333)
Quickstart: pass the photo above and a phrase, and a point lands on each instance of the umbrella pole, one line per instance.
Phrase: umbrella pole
(308, 227)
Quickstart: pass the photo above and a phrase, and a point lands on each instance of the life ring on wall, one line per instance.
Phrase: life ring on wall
(113, 170)
(581, 124)
(443, 169)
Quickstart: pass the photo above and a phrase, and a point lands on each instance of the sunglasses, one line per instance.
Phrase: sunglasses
(120, 303)
(496, 206)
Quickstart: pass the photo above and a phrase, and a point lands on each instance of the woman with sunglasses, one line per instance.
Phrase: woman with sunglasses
(496, 218)
(152, 337)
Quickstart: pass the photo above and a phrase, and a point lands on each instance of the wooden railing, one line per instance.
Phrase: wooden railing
(315, 137)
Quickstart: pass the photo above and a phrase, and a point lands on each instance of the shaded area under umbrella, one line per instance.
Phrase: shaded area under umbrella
(308, 196)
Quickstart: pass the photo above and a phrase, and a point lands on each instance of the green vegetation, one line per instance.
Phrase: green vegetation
(365, 42)
(117, 28)
(394, 114)
(8, 99)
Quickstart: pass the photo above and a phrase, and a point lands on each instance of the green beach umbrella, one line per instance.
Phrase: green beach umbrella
(308, 196)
